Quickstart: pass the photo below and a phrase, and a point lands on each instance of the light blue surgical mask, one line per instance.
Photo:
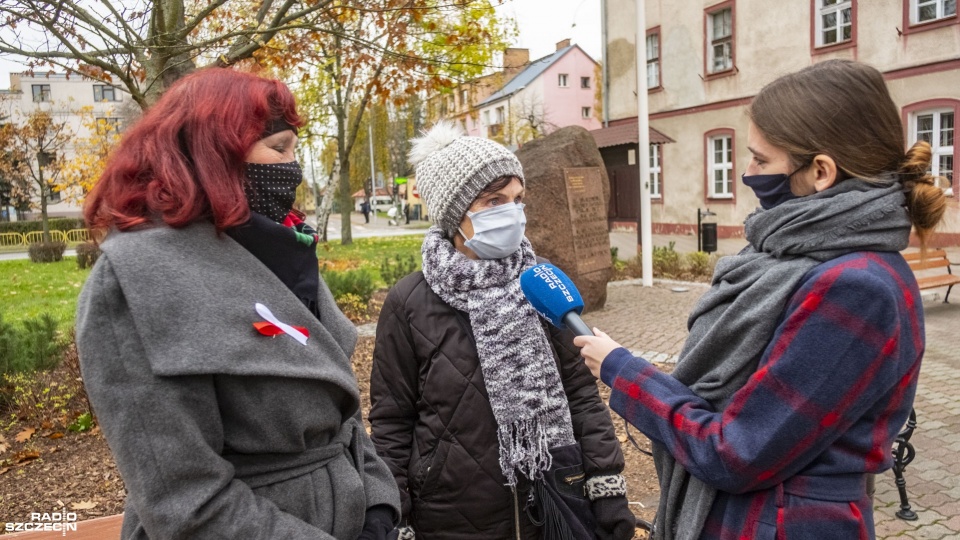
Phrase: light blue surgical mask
(497, 232)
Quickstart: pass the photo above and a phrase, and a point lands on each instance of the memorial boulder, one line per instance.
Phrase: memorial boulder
(567, 194)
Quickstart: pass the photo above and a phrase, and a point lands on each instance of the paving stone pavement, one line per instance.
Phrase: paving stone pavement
(652, 321)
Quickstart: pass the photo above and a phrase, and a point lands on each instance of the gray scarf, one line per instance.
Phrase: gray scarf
(733, 323)
(519, 371)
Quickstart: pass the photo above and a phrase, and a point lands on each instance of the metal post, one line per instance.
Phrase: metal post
(903, 454)
(644, 226)
(373, 174)
(699, 242)
(605, 72)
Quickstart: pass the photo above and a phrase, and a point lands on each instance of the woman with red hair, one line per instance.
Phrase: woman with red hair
(213, 353)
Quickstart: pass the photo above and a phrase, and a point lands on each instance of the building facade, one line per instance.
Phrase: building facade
(65, 97)
(707, 59)
(527, 99)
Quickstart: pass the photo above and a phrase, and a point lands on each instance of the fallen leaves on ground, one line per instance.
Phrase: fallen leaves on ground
(85, 505)
(25, 435)
(21, 457)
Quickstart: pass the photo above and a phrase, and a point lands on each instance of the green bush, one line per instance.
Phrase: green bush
(32, 346)
(359, 282)
(87, 255)
(614, 251)
(393, 269)
(55, 224)
(666, 261)
(46, 252)
(698, 263)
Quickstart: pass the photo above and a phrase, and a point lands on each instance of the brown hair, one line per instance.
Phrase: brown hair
(843, 109)
(496, 186)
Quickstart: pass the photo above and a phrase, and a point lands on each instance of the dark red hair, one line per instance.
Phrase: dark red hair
(184, 160)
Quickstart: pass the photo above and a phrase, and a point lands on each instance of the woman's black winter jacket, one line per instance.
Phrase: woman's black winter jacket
(433, 425)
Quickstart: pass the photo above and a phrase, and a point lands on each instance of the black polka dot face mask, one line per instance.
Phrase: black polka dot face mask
(272, 188)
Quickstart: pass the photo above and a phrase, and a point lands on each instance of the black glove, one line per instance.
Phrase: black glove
(378, 524)
(615, 520)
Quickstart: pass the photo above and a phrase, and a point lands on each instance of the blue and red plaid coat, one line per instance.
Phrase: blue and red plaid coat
(834, 386)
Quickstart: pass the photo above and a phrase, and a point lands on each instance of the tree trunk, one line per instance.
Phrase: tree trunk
(346, 206)
(343, 159)
(325, 204)
(44, 189)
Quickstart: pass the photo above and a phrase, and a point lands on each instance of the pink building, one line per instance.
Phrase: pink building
(537, 97)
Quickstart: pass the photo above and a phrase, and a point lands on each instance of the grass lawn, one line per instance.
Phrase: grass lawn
(368, 252)
(28, 289)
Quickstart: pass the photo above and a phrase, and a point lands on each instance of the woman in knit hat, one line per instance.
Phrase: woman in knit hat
(471, 390)
(212, 351)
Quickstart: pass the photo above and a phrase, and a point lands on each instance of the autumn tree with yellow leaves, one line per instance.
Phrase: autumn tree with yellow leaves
(29, 154)
(79, 174)
(382, 53)
(146, 46)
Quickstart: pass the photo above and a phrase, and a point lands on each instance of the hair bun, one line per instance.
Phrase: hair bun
(438, 138)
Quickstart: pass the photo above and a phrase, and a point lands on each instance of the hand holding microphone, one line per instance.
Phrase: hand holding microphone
(557, 299)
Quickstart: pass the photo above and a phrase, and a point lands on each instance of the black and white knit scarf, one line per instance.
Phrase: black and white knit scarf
(516, 360)
(732, 324)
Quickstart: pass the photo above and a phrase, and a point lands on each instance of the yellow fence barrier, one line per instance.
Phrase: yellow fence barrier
(12, 239)
(75, 236)
(33, 237)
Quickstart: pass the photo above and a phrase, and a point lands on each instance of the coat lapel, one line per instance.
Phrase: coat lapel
(192, 296)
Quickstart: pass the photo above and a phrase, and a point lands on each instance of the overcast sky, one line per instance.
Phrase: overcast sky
(542, 23)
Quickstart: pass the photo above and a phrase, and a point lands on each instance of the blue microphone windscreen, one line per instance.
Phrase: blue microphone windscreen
(551, 292)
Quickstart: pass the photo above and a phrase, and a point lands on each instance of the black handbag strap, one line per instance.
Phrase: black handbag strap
(555, 527)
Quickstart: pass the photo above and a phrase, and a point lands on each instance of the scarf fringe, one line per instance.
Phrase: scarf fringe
(524, 447)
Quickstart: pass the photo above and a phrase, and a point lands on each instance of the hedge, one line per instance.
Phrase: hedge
(56, 224)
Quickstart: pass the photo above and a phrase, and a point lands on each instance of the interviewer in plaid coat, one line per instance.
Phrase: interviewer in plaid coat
(802, 360)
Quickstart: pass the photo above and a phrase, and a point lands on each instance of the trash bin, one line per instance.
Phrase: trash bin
(708, 234)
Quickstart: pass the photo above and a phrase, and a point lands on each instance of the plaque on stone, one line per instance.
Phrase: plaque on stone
(567, 196)
(588, 215)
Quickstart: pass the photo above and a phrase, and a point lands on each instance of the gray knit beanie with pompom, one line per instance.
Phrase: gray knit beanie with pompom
(452, 169)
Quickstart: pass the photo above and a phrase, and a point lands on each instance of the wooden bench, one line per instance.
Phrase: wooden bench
(105, 528)
(932, 259)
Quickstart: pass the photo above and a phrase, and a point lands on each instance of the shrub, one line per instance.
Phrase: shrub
(87, 255)
(32, 346)
(359, 282)
(352, 306)
(55, 224)
(698, 263)
(45, 252)
(393, 269)
(666, 261)
(614, 251)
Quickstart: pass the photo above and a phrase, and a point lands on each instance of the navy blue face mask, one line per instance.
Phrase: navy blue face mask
(771, 189)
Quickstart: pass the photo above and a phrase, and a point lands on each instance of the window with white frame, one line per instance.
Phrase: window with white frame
(584, 82)
(41, 93)
(720, 166)
(922, 11)
(486, 117)
(655, 171)
(585, 112)
(562, 80)
(102, 92)
(500, 115)
(834, 19)
(106, 124)
(720, 40)
(463, 98)
(936, 127)
(653, 61)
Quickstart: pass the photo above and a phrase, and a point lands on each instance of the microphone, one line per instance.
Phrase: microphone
(555, 297)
